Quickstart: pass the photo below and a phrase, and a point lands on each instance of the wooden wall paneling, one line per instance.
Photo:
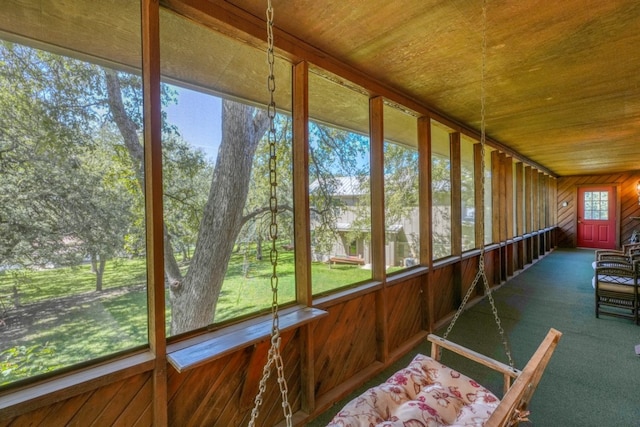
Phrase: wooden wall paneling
(95, 404)
(119, 400)
(511, 252)
(271, 413)
(124, 400)
(404, 311)
(137, 407)
(425, 202)
(206, 390)
(521, 254)
(567, 213)
(566, 232)
(629, 206)
(214, 394)
(62, 412)
(491, 266)
(448, 294)
(456, 193)
(468, 271)
(345, 342)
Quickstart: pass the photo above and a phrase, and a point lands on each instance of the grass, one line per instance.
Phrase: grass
(60, 320)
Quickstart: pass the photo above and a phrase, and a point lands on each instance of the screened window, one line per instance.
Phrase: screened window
(441, 190)
(216, 177)
(72, 234)
(468, 193)
(401, 195)
(488, 201)
(339, 183)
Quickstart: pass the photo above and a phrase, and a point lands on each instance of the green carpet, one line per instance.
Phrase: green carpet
(593, 378)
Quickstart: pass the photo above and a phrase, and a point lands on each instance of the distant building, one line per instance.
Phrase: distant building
(399, 238)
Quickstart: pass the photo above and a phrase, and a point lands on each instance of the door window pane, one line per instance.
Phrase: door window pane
(596, 205)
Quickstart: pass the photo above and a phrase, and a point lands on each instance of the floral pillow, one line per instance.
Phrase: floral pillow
(426, 393)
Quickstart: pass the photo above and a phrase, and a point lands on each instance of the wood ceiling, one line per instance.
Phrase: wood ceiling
(563, 78)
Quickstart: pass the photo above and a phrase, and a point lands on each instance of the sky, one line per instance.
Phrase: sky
(198, 118)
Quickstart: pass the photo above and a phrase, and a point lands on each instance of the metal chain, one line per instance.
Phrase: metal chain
(274, 356)
(481, 266)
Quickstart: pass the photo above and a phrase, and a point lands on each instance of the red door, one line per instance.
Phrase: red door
(597, 217)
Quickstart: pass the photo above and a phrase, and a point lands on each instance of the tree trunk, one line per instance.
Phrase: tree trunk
(100, 272)
(259, 248)
(194, 296)
(193, 304)
(129, 133)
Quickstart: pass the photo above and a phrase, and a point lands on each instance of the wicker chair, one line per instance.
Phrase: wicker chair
(616, 288)
(629, 249)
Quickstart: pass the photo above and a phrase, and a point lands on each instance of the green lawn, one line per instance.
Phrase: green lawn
(61, 320)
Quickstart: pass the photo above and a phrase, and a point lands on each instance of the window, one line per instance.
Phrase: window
(468, 193)
(72, 233)
(488, 201)
(339, 184)
(441, 190)
(596, 205)
(216, 177)
(401, 195)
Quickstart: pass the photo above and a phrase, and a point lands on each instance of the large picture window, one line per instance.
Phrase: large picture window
(339, 184)
(72, 227)
(401, 195)
(441, 190)
(468, 193)
(216, 178)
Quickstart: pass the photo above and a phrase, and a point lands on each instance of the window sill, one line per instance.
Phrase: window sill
(17, 402)
(205, 348)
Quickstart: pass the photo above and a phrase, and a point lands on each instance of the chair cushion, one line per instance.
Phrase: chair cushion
(426, 393)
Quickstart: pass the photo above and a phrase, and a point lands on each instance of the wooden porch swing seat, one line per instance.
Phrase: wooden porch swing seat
(428, 393)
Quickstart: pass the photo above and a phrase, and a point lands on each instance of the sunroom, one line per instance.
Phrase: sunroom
(162, 171)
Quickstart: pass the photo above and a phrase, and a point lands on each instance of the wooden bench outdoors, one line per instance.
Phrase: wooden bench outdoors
(354, 260)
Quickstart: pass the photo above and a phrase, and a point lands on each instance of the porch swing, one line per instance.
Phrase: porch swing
(430, 393)
(426, 392)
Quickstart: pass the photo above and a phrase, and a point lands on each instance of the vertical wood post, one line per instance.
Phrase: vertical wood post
(425, 203)
(150, 15)
(302, 226)
(378, 228)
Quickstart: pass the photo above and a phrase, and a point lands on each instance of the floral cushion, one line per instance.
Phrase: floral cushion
(426, 393)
